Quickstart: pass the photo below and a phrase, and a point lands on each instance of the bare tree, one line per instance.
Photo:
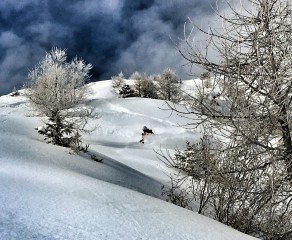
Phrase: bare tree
(168, 86)
(57, 92)
(241, 171)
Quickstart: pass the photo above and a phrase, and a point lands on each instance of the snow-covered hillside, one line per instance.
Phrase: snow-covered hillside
(48, 193)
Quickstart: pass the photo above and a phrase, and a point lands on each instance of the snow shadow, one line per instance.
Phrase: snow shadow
(113, 144)
(115, 172)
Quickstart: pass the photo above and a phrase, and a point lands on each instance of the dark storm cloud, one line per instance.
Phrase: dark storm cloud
(113, 35)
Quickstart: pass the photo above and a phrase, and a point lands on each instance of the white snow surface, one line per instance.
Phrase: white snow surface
(48, 193)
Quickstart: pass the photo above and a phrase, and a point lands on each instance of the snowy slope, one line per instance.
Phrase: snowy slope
(47, 193)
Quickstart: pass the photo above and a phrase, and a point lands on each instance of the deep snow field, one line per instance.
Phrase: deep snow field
(46, 192)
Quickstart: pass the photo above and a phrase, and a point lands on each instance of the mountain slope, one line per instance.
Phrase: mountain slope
(47, 193)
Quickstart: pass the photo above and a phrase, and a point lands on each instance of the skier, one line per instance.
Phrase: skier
(146, 131)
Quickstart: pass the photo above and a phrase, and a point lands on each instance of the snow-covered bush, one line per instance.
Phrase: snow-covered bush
(57, 92)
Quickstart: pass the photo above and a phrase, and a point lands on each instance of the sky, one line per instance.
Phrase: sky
(112, 35)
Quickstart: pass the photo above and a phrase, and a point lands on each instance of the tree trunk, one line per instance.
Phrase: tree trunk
(287, 141)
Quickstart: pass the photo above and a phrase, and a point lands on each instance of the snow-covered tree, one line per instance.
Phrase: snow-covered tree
(118, 82)
(168, 86)
(57, 92)
(241, 171)
(137, 77)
